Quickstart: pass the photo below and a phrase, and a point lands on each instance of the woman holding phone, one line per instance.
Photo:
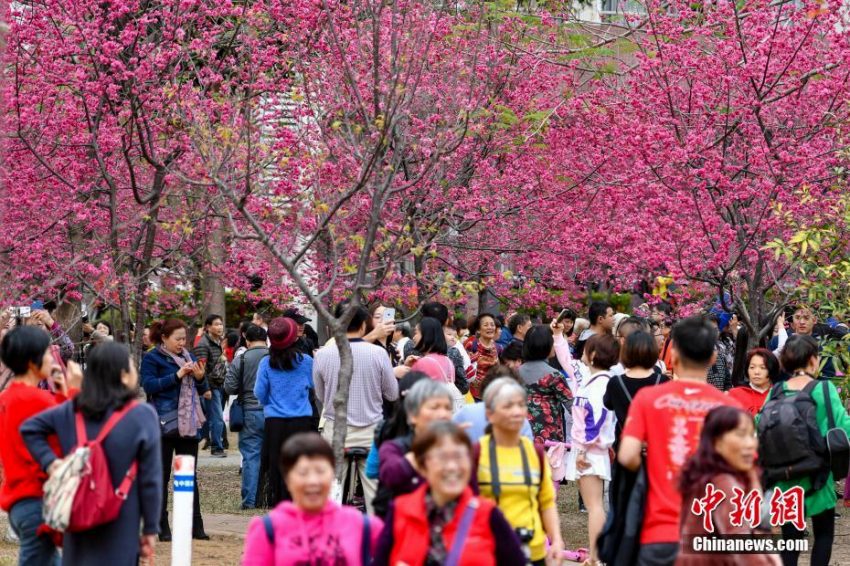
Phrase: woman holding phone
(26, 352)
(174, 382)
(380, 330)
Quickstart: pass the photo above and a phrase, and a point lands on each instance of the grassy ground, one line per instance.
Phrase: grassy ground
(220, 490)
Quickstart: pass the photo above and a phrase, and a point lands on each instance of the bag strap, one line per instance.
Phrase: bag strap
(622, 384)
(81, 429)
(495, 483)
(495, 480)
(541, 455)
(366, 542)
(241, 382)
(113, 420)
(776, 391)
(267, 523)
(830, 418)
(123, 488)
(462, 531)
(82, 437)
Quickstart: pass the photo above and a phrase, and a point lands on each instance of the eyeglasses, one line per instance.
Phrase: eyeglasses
(441, 458)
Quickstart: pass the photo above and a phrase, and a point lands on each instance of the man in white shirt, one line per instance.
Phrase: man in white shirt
(372, 382)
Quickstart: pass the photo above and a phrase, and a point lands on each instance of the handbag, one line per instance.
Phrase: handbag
(837, 443)
(168, 423)
(219, 373)
(237, 411)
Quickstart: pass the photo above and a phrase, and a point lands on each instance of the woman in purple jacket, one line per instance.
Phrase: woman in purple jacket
(426, 402)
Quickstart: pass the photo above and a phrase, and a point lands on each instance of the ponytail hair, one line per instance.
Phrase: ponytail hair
(163, 329)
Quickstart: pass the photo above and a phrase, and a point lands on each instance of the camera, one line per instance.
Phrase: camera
(23, 312)
(525, 535)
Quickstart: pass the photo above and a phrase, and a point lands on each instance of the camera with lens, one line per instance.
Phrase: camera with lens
(525, 535)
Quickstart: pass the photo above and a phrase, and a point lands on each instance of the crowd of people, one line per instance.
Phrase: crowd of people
(466, 431)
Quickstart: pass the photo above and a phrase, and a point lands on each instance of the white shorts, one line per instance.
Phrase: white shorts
(600, 465)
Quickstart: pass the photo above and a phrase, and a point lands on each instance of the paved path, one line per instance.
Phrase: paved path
(227, 525)
(233, 460)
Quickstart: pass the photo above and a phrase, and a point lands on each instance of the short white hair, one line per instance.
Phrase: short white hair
(421, 391)
(501, 389)
(581, 325)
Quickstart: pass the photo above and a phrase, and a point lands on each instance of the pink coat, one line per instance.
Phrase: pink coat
(332, 536)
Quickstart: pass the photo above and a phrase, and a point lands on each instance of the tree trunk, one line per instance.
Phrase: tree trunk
(346, 369)
(144, 264)
(472, 306)
(214, 296)
(418, 268)
(68, 316)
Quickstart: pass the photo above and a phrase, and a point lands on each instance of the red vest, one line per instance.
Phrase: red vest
(411, 536)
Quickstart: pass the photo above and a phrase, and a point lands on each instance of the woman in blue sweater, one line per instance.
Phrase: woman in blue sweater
(110, 383)
(283, 387)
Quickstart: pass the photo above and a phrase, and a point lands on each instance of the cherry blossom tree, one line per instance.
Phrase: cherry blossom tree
(91, 206)
(705, 135)
(337, 144)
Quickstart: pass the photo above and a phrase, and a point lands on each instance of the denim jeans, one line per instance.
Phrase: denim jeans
(25, 518)
(214, 427)
(251, 445)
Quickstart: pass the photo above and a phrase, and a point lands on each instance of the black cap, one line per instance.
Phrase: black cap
(296, 316)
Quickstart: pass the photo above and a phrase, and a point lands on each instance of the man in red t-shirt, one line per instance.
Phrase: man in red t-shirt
(668, 419)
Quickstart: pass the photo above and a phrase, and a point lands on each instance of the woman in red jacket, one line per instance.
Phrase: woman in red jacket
(26, 351)
(443, 522)
(762, 373)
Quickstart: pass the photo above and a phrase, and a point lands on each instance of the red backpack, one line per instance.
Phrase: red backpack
(79, 495)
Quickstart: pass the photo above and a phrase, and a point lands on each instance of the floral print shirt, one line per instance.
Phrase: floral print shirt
(549, 399)
(438, 518)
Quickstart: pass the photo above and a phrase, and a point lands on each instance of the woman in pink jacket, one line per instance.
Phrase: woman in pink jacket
(310, 529)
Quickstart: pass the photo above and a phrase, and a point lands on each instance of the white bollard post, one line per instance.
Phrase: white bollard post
(184, 494)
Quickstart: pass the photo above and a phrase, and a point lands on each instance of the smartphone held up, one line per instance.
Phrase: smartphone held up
(389, 315)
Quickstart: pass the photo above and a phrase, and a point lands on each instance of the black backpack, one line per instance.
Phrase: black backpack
(619, 541)
(791, 445)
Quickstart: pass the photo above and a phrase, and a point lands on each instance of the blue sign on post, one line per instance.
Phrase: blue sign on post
(184, 483)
